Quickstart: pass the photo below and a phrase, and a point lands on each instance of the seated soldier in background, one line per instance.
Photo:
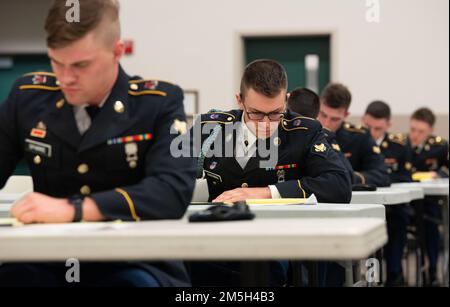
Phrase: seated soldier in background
(377, 119)
(307, 103)
(300, 162)
(429, 155)
(355, 142)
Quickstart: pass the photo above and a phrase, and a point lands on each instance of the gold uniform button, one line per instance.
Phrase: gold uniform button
(119, 107)
(37, 160)
(133, 164)
(60, 104)
(83, 169)
(277, 141)
(134, 87)
(244, 185)
(85, 190)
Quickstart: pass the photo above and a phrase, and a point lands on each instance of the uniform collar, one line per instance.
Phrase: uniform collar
(248, 138)
(381, 139)
(108, 124)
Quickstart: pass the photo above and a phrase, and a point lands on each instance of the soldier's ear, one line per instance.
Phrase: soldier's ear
(239, 100)
(119, 49)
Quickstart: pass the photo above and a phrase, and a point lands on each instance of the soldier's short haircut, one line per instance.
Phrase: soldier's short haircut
(266, 77)
(304, 102)
(379, 109)
(62, 32)
(336, 96)
(425, 115)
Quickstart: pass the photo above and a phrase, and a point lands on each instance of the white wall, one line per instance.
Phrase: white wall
(22, 26)
(404, 59)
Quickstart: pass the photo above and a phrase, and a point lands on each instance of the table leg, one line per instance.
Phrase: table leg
(255, 273)
(445, 218)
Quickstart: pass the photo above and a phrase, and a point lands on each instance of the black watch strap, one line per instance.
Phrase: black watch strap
(77, 202)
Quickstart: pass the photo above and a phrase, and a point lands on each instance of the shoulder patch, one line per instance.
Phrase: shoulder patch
(355, 129)
(139, 87)
(218, 117)
(297, 123)
(40, 80)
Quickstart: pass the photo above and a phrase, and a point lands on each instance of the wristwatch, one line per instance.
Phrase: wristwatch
(77, 202)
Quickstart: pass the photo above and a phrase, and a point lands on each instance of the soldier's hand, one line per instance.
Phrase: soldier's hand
(39, 208)
(242, 194)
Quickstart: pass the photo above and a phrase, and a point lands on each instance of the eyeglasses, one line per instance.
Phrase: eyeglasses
(259, 116)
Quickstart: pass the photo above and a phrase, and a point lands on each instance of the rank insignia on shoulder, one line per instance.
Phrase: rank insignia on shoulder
(151, 85)
(398, 138)
(141, 87)
(351, 128)
(40, 81)
(217, 117)
(294, 124)
(436, 140)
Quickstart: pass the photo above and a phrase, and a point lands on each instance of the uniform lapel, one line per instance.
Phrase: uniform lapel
(110, 121)
(61, 122)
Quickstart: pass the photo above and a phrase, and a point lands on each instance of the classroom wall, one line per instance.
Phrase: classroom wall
(22, 26)
(403, 59)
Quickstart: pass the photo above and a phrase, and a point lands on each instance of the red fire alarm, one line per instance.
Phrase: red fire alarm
(129, 46)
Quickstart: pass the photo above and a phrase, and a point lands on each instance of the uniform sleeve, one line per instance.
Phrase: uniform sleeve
(373, 169)
(443, 161)
(326, 176)
(348, 166)
(403, 174)
(167, 188)
(10, 150)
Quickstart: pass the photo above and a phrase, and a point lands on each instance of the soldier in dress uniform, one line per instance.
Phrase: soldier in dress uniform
(307, 103)
(429, 155)
(97, 142)
(355, 142)
(300, 162)
(377, 119)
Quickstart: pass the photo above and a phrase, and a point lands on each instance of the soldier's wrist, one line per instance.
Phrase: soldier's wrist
(76, 201)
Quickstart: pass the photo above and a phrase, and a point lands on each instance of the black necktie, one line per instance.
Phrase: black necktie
(92, 111)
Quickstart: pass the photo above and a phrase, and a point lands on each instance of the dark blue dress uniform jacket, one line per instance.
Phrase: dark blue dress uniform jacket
(310, 165)
(364, 155)
(396, 157)
(141, 183)
(431, 157)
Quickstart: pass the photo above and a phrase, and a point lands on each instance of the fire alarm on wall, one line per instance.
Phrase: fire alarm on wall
(129, 46)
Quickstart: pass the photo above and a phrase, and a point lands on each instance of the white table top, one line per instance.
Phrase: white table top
(9, 198)
(438, 187)
(261, 239)
(311, 211)
(382, 196)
